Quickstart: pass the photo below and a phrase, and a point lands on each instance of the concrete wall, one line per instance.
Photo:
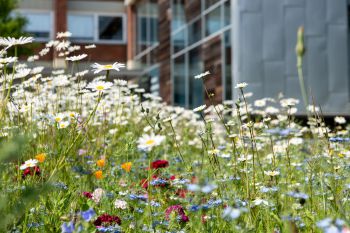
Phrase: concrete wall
(36, 4)
(264, 38)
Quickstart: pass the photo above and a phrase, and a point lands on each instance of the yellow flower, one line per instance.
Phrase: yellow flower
(126, 166)
(40, 157)
(98, 174)
(101, 163)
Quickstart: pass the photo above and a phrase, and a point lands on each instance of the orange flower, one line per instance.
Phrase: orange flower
(98, 174)
(101, 163)
(40, 157)
(126, 166)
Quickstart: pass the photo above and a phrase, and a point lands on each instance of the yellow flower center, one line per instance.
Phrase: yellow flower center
(58, 119)
(108, 66)
(150, 142)
(100, 87)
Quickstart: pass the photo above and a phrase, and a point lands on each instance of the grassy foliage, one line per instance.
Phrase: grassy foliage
(106, 157)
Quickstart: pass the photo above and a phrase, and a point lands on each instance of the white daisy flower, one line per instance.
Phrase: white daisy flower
(271, 173)
(120, 82)
(63, 124)
(200, 108)
(259, 201)
(76, 58)
(241, 85)
(202, 75)
(10, 41)
(7, 60)
(120, 204)
(59, 117)
(44, 51)
(97, 68)
(99, 85)
(339, 120)
(147, 142)
(92, 46)
(29, 163)
(63, 34)
(62, 45)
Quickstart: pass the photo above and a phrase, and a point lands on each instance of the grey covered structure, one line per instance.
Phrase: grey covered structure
(264, 37)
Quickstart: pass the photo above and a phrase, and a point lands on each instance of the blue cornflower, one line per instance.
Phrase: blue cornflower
(137, 197)
(298, 195)
(339, 139)
(159, 182)
(88, 215)
(155, 204)
(67, 228)
(194, 208)
(114, 229)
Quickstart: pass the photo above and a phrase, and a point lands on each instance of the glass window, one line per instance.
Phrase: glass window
(194, 31)
(81, 26)
(228, 65)
(154, 77)
(39, 24)
(142, 30)
(179, 40)
(227, 12)
(213, 21)
(195, 67)
(110, 28)
(179, 76)
(178, 10)
(209, 3)
(154, 29)
(147, 24)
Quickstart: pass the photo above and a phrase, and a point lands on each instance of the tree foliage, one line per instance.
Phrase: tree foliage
(11, 24)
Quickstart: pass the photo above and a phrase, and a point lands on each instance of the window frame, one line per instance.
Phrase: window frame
(23, 11)
(96, 16)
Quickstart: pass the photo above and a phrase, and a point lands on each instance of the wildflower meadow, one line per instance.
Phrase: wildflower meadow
(100, 155)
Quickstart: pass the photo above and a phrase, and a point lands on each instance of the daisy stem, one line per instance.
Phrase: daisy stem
(176, 142)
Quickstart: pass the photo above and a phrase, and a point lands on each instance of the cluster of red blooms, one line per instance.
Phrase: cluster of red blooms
(106, 220)
(159, 164)
(31, 171)
(87, 195)
(179, 210)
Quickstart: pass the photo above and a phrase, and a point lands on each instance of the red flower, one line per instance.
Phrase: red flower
(144, 183)
(181, 193)
(106, 219)
(179, 210)
(87, 195)
(159, 164)
(31, 171)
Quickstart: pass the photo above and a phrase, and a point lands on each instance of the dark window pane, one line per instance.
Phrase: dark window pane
(213, 21)
(227, 11)
(179, 40)
(209, 3)
(110, 28)
(228, 66)
(178, 14)
(154, 29)
(196, 85)
(194, 32)
(143, 30)
(179, 75)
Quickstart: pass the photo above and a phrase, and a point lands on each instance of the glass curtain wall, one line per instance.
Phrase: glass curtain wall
(189, 31)
(147, 44)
